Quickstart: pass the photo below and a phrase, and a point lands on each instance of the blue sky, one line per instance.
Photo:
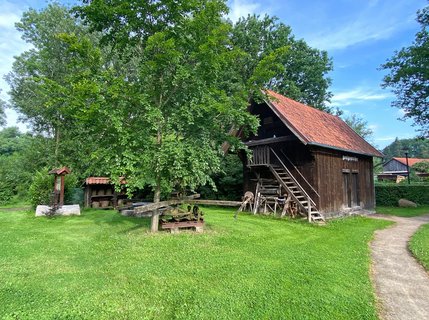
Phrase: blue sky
(358, 35)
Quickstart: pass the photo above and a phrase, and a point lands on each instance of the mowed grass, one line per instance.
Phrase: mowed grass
(105, 266)
(403, 212)
(419, 245)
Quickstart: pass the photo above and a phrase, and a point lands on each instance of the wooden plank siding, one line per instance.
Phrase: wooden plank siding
(331, 168)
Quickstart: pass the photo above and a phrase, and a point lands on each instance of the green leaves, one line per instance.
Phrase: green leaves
(408, 76)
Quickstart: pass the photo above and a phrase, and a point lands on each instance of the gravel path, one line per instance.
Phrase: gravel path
(401, 283)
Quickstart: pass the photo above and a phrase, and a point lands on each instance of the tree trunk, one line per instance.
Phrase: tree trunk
(157, 195)
(155, 213)
(57, 145)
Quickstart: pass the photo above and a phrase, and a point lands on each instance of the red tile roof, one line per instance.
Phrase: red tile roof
(102, 180)
(411, 161)
(315, 127)
(97, 180)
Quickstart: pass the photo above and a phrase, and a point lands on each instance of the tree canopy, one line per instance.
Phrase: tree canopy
(297, 70)
(416, 148)
(408, 76)
(150, 90)
(359, 125)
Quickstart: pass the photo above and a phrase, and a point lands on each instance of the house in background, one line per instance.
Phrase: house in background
(397, 167)
(310, 155)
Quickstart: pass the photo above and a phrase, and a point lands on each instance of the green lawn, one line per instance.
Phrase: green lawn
(419, 245)
(104, 266)
(403, 212)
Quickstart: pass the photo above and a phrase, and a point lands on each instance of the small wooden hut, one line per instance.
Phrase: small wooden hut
(311, 155)
(101, 193)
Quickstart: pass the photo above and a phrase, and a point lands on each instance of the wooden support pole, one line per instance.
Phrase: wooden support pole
(154, 221)
(309, 209)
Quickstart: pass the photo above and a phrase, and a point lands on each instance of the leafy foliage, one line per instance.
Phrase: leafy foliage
(42, 187)
(417, 148)
(421, 167)
(289, 66)
(409, 76)
(389, 194)
(359, 125)
(20, 156)
(2, 114)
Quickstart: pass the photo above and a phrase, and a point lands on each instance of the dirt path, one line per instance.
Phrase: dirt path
(401, 283)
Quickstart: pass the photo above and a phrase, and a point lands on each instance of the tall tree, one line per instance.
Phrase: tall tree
(409, 76)
(177, 103)
(2, 113)
(416, 148)
(39, 78)
(301, 71)
(359, 125)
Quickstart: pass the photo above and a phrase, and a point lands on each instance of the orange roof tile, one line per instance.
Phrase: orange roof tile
(411, 161)
(315, 127)
(97, 180)
(102, 180)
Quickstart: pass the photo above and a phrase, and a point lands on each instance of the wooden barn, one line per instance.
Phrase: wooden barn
(310, 156)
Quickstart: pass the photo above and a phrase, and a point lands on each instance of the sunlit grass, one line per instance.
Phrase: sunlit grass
(419, 245)
(403, 212)
(104, 266)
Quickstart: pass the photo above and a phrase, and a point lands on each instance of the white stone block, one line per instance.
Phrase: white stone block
(66, 210)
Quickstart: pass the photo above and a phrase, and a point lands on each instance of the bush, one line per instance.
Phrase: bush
(389, 194)
(42, 187)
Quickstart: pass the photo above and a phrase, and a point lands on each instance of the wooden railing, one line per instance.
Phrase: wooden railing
(303, 179)
(280, 162)
(260, 156)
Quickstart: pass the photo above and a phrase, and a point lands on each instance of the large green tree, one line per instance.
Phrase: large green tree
(408, 76)
(175, 106)
(300, 71)
(359, 125)
(39, 77)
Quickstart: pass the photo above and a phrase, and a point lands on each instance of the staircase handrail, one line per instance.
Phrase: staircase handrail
(293, 178)
(296, 169)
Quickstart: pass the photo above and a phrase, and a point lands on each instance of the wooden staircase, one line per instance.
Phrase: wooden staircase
(285, 179)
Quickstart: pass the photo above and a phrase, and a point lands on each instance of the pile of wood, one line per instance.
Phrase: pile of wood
(174, 219)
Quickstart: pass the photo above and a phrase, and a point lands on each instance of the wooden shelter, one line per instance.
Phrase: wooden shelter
(59, 182)
(311, 157)
(101, 193)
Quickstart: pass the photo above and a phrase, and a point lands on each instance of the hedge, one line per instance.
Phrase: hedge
(388, 195)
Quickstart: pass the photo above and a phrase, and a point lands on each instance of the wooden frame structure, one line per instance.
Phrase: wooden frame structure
(313, 158)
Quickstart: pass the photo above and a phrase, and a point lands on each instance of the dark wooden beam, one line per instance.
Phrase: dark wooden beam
(253, 143)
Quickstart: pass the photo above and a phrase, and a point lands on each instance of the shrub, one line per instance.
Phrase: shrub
(389, 194)
(43, 184)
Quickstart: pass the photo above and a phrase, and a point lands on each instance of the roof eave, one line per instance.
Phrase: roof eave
(380, 155)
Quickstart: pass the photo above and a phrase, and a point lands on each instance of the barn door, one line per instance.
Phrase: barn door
(350, 189)
(347, 197)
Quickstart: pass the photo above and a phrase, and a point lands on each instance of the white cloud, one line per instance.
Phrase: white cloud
(357, 94)
(242, 8)
(377, 20)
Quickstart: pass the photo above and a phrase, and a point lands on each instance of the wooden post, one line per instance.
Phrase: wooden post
(309, 209)
(62, 191)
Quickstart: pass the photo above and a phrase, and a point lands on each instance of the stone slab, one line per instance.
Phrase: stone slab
(66, 210)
